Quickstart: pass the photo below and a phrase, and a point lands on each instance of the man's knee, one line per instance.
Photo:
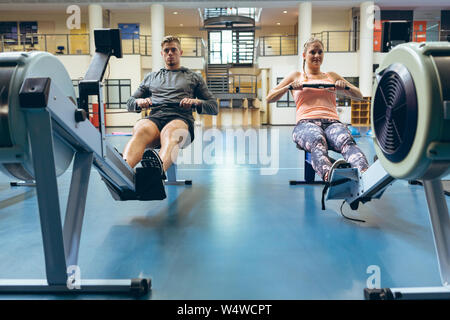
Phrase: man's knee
(176, 132)
(145, 129)
(178, 136)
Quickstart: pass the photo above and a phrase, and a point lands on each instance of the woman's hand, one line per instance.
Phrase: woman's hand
(296, 85)
(340, 84)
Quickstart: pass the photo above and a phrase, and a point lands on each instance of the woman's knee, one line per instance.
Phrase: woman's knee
(343, 141)
(309, 137)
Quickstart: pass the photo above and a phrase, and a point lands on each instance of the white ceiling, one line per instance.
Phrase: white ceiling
(188, 15)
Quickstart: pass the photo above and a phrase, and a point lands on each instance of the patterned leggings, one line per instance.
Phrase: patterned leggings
(318, 135)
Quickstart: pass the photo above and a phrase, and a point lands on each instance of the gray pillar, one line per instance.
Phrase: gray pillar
(95, 22)
(304, 28)
(366, 48)
(264, 91)
(157, 35)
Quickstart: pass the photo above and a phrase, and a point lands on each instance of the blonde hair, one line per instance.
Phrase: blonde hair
(305, 48)
(168, 39)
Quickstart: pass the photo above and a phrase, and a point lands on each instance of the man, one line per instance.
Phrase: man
(172, 91)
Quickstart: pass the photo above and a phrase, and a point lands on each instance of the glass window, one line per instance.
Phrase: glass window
(286, 101)
(117, 93)
(8, 30)
(28, 32)
(129, 31)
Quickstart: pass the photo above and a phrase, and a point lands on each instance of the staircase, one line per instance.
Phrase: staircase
(217, 78)
(243, 47)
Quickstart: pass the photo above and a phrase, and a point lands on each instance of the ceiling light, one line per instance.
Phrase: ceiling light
(285, 11)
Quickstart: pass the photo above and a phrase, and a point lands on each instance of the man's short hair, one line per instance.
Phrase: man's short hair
(168, 39)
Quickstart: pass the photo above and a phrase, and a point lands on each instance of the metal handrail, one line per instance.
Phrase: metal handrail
(234, 83)
(51, 42)
(243, 85)
(332, 44)
(282, 48)
(141, 44)
(414, 36)
(218, 12)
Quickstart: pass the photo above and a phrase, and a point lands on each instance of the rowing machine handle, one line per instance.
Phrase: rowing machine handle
(319, 86)
(171, 104)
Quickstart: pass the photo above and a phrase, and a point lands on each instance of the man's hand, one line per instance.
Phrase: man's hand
(144, 103)
(187, 103)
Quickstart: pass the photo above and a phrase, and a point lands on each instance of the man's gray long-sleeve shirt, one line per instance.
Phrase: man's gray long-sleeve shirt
(171, 86)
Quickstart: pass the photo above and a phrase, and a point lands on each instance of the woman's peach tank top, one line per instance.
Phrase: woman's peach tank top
(315, 103)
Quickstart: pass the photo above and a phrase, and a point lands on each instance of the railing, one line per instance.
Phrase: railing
(333, 41)
(277, 45)
(76, 44)
(218, 12)
(54, 43)
(233, 83)
(415, 36)
(444, 35)
(243, 83)
(337, 41)
(192, 46)
(340, 41)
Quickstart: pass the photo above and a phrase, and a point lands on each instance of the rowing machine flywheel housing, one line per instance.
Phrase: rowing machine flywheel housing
(410, 114)
(15, 150)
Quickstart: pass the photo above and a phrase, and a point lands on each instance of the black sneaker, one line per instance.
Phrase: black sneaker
(151, 159)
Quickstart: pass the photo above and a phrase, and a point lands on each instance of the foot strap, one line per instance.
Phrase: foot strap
(331, 184)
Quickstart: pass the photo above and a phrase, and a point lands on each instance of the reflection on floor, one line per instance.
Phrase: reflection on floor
(239, 232)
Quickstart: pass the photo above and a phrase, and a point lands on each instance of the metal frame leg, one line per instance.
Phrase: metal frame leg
(309, 173)
(440, 223)
(30, 183)
(41, 140)
(61, 245)
(172, 177)
(76, 204)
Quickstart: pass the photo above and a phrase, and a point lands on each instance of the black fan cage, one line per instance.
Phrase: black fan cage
(395, 112)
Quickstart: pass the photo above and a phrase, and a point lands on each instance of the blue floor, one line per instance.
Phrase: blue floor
(236, 233)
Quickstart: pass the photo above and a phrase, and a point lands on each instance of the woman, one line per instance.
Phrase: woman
(317, 123)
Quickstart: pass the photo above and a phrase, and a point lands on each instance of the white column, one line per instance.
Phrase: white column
(95, 22)
(157, 35)
(304, 28)
(264, 87)
(366, 48)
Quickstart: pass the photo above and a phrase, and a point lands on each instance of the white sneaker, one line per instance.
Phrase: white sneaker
(339, 163)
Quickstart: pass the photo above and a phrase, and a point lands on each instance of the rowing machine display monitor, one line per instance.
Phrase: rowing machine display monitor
(108, 41)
